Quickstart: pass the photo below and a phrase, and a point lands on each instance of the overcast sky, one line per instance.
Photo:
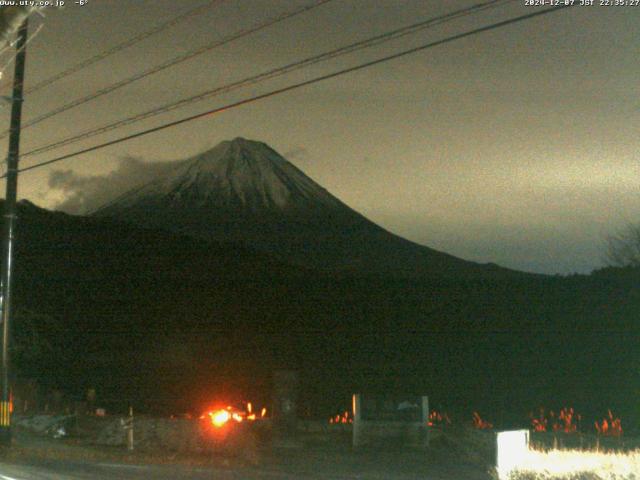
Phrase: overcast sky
(517, 146)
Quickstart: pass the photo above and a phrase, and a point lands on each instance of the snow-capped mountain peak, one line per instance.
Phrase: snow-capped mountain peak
(236, 174)
(243, 191)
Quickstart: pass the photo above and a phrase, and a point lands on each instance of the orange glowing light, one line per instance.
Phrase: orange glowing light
(566, 418)
(437, 418)
(564, 421)
(539, 423)
(345, 417)
(611, 427)
(220, 417)
(479, 423)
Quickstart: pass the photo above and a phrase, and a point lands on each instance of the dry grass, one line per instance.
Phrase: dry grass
(578, 464)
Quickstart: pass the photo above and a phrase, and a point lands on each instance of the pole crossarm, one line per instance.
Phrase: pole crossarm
(11, 18)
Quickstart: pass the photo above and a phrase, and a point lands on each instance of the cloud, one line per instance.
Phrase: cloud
(85, 193)
(82, 194)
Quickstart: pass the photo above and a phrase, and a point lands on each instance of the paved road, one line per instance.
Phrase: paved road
(85, 471)
(37, 458)
(49, 470)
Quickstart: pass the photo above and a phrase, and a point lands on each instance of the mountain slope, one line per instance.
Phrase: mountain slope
(244, 191)
(156, 318)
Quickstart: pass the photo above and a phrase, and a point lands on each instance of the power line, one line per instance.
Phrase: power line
(170, 63)
(296, 86)
(119, 47)
(273, 73)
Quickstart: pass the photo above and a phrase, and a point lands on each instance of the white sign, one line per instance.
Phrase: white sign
(512, 450)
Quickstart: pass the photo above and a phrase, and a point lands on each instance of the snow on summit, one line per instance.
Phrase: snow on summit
(237, 174)
(243, 191)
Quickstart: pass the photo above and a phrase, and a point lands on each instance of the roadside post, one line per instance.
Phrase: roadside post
(285, 409)
(127, 425)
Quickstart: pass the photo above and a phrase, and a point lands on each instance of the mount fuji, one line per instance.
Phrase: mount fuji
(244, 191)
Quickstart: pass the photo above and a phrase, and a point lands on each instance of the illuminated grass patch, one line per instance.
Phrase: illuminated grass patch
(577, 464)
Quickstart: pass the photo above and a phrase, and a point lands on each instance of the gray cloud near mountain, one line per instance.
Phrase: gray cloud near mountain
(85, 193)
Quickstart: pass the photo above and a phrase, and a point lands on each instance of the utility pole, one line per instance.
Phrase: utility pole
(8, 231)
